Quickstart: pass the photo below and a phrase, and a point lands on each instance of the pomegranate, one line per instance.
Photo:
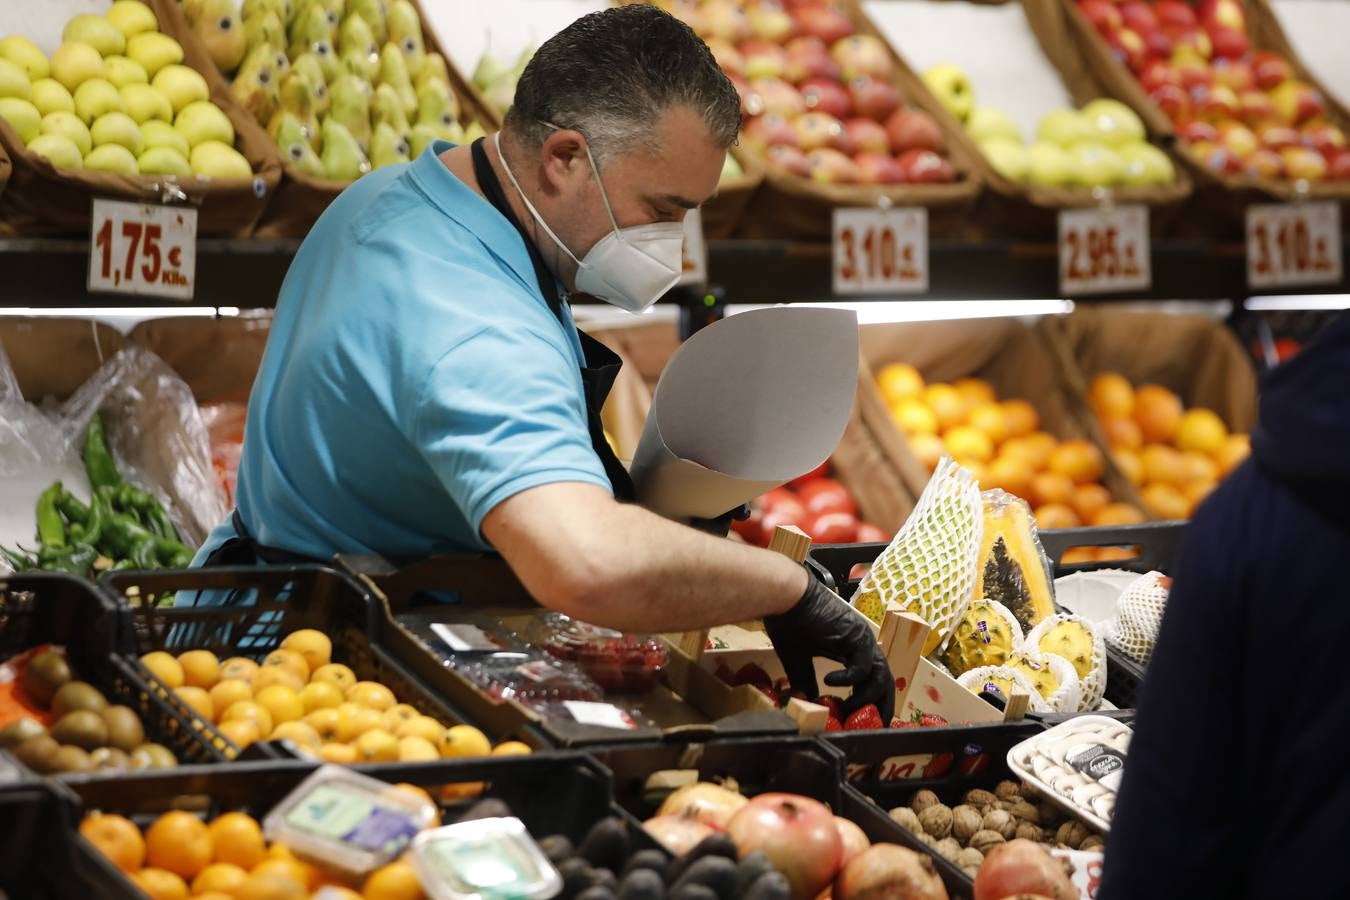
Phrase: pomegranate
(889, 872)
(703, 802)
(855, 841)
(677, 834)
(798, 836)
(1022, 867)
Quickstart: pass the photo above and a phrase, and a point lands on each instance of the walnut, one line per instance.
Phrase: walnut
(937, 821)
(1008, 790)
(906, 818)
(980, 799)
(1001, 821)
(966, 820)
(969, 858)
(1050, 813)
(1093, 842)
(1028, 832)
(922, 800)
(1031, 792)
(948, 848)
(1071, 834)
(972, 872)
(925, 837)
(1026, 812)
(985, 840)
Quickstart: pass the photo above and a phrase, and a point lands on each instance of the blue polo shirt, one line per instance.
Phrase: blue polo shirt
(414, 378)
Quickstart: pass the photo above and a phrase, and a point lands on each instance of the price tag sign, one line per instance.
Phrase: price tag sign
(1293, 244)
(695, 250)
(142, 249)
(881, 251)
(1104, 251)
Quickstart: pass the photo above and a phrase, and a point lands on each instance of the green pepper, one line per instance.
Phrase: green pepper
(76, 560)
(71, 507)
(91, 530)
(121, 565)
(167, 551)
(143, 554)
(123, 533)
(157, 518)
(18, 560)
(51, 527)
(98, 459)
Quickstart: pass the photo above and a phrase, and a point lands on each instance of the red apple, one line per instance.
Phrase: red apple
(1197, 132)
(763, 60)
(763, 132)
(789, 159)
(725, 21)
(1270, 70)
(874, 98)
(818, 129)
(778, 97)
(862, 54)
(1234, 74)
(1194, 42)
(808, 57)
(1256, 107)
(1103, 15)
(1158, 44)
(827, 96)
(832, 167)
(1265, 163)
(913, 129)
(866, 134)
(1172, 100)
(1217, 158)
(1222, 13)
(1159, 72)
(1302, 163)
(826, 22)
(770, 21)
(1175, 14)
(728, 57)
(1296, 102)
(1338, 169)
(1238, 138)
(1128, 47)
(892, 871)
(1326, 139)
(1278, 137)
(798, 836)
(878, 168)
(1194, 71)
(1229, 43)
(926, 167)
(1215, 104)
(1139, 17)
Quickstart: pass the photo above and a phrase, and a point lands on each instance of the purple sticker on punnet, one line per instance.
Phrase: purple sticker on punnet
(384, 830)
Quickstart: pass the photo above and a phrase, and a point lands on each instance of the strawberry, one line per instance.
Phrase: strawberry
(865, 718)
(832, 704)
(931, 720)
(753, 675)
(725, 674)
(832, 723)
(901, 723)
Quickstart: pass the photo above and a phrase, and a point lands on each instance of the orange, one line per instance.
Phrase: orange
(377, 745)
(271, 886)
(179, 842)
(220, 876)
(989, 418)
(354, 721)
(117, 838)
(160, 885)
(238, 839)
(927, 449)
(164, 667)
(965, 442)
(1040, 445)
(461, 790)
(396, 881)
(1090, 499)
(277, 676)
(1165, 501)
(372, 695)
(975, 391)
(301, 733)
(240, 732)
(1056, 515)
(1111, 395)
(290, 661)
(1162, 465)
(342, 754)
(1080, 460)
(1198, 467)
(212, 895)
(324, 722)
(973, 466)
(1233, 452)
(1019, 417)
(320, 695)
(335, 892)
(1116, 554)
(338, 674)
(1009, 473)
(1195, 494)
(249, 711)
(1051, 487)
(947, 404)
(201, 668)
(413, 749)
(229, 692)
(284, 862)
(1130, 465)
(282, 702)
(1122, 434)
(1201, 430)
(464, 740)
(238, 667)
(1079, 555)
(199, 700)
(396, 716)
(1157, 412)
(899, 381)
(422, 794)
(313, 645)
(512, 748)
(1118, 514)
(421, 726)
(914, 417)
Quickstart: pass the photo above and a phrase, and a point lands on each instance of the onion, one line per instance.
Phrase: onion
(1022, 867)
(703, 802)
(677, 834)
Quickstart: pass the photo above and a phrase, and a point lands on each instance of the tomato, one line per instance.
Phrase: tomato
(826, 495)
(872, 534)
(776, 496)
(815, 474)
(752, 528)
(782, 514)
(833, 528)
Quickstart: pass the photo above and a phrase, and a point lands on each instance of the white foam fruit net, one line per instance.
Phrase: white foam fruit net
(1134, 630)
(1002, 680)
(1065, 688)
(929, 568)
(1078, 641)
(986, 634)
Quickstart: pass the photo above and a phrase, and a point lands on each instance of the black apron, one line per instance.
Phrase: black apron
(597, 378)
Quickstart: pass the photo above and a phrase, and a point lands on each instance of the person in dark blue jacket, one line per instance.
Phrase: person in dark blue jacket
(1237, 781)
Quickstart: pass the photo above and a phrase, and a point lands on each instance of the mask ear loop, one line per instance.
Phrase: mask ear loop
(595, 170)
(497, 140)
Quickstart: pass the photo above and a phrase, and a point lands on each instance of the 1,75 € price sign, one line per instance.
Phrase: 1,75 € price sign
(1104, 250)
(143, 249)
(881, 251)
(1293, 244)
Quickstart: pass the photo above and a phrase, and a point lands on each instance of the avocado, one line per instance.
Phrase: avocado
(124, 728)
(45, 675)
(769, 886)
(71, 759)
(606, 844)
(716, 872)
(557, 848)
(76, 695)
(16, 733)
(36, 753)
(82, 728)
(642, 884)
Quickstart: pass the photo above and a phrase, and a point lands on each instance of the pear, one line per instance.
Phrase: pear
(387, 109)
(131, 17)
(26, 55)
(180, 85)
(122, 71)
(14, 81)
(69, 126)
(256, 86)
(355, 36)
(144, 103)
(218, 160)
(57, 149)
(376, 16)
(337, 9)
(96, 97)
(161, 134)
(329, 62)
(342, 156)
(153, 51)
(363, 65)
(311, 27)
(434, 69)
(204, 121)
(117, 128)
(394, 72)
(296, 145)
(405, 31)
(351, 107)
(387, 147)
(263, 27)
(97, 32)
(50, 95)
(74, 63)
(164, 161)
(22, 116)
(423, 134)
(297, 101)
(222, 33)
(113, 158)
(436, 104)
(280, 8)
(490, 70)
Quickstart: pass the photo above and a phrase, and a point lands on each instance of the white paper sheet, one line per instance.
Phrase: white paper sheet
(744, 406)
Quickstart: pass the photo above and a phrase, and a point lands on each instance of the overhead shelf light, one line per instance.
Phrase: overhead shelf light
(1297, 302)
(880, 312)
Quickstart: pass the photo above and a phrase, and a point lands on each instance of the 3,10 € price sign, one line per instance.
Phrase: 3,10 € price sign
(139, 248)
(1104, 250)
(1293, 244)
(881, 251)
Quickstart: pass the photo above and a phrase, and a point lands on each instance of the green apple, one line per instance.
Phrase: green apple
(58, 149)
(22, 116)
(181, 86)
(131, 17)
(69, 126)
(14, 81)
(122, 71)
(97, 32)
(164, 161)
(1064, 127)
(26, 55)
(1146, 164)
(951, 86)
(985, 123)
(217, 160)
(204, 121)
(161, 134)
(95, 97)
(1008, 157)
(1097, 165)
(50, 95)
(1050, 165)
(117, 128)
(154, 51)
(112, 158)
(1113, 122)
(74, 63)
(144, 103)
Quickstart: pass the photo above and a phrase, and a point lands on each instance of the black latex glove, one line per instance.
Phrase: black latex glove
(722, 524)
(821, 624)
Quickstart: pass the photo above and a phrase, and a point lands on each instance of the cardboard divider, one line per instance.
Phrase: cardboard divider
(53, 357)
(218, 358)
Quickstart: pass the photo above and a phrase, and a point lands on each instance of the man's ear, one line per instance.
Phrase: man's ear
(562, 156)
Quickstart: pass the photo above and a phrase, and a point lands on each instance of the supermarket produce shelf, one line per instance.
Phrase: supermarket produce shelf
(53, 272)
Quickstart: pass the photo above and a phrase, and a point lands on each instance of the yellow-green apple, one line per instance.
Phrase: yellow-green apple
(1216, 157)
(832, 167)
(770, 21)
(925, 167)
(1239, 138)
(1265, 163)
(1064, 127)
(1256, 107)
(1113, 122)
(789, 159)
(763, 60)
(1103, 14)
(878, 168)
(1300, 162)
(1175, 14)
(1275, 136)
(808, 57)
(727, 56)
(913, 129)
(986, 123)
(1096, 165)
(1008, 157)
(763, 132)
(873, 98)
(827, 96)
(867, 135)
(951, 86)
(818, 129)
(1146, 164)
(823, 21)
(777, 96)
(1296, 102)
(1270, 70)
(1049, 165)
(861, 54)
(1172, 100)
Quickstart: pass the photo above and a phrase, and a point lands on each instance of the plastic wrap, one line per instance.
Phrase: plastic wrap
(225, 428)
(29, 437)
(1134, 630)
(1088, 656)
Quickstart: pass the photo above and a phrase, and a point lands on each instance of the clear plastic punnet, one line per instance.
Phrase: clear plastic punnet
(618, 662)
(485, 859)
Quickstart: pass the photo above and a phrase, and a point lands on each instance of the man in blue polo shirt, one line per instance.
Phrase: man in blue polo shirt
(424, 389)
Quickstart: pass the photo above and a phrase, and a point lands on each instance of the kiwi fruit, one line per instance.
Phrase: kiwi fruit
(81, 728)
(15, 733)
(71, 759)
(37, 752)
(110, 758)
(124, 728)
(45, 674)
(153, 756)
(77, 695)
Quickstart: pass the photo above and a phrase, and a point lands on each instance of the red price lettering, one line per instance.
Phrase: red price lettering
(104, 243)
(1290, 248)
(1095, 254)
(150, 271)
(132, 231)
(1263, 260)
(849, 270)
(1094, 871)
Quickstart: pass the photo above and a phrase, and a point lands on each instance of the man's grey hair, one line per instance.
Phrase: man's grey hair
(612, 74)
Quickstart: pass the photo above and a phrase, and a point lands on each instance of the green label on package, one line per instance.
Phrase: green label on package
(338, 815)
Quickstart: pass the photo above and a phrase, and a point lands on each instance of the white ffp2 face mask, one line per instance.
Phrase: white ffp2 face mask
(629, 267)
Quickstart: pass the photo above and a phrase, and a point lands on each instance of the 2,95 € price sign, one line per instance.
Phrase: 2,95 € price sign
(1104, 250)
(881, 251)
(1293, 244)
(142, 249)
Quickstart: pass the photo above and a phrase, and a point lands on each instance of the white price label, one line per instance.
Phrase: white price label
(881, 251)
(695, 262)
(1293, 244)
(1104, 251)
(606, 715)
(137, 248)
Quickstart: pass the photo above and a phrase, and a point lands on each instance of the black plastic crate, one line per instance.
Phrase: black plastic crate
(268, 604)
(53, 608)
(797, 765)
